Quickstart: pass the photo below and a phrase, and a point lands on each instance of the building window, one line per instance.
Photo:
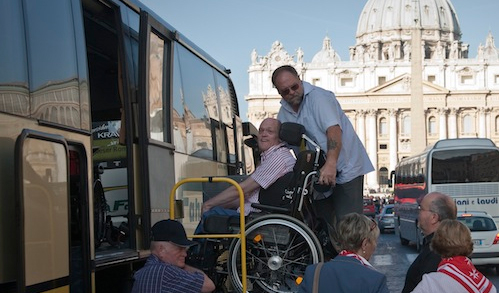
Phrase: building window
(467, 79)
(346, 82)
(406, 126)
(383, 146)
(383, 176)
(432, 125)
(431, 78)
(497, 124)
(383, 131)
(467, 124)
(381, 80)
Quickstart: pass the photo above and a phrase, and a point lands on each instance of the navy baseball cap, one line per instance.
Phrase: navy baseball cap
(170, 230)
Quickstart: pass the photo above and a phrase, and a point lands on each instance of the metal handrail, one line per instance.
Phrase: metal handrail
(242, 233)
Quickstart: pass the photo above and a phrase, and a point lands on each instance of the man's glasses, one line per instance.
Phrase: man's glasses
(420, 208)
(293, 88)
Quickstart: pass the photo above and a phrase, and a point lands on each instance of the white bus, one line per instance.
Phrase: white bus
(467, 169)
(103, 107)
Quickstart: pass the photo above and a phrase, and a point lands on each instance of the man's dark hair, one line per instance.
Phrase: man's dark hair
(287, 68)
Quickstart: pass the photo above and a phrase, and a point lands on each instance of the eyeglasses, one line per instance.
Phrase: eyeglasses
(420, 208)
(293, 88)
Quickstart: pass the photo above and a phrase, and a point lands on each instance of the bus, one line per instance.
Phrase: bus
(467, 169)
(103, 107)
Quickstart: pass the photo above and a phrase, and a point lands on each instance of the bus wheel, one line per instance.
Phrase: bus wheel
(403, 241)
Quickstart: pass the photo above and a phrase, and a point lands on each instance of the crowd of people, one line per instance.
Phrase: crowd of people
(442, 265)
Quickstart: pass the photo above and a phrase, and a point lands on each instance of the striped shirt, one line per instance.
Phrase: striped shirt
(160, 277)
(275, 163)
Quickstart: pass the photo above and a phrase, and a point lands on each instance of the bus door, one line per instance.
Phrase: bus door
(43, 203)
(154, 131)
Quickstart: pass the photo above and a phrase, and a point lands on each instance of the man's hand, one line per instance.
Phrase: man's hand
(328, 175)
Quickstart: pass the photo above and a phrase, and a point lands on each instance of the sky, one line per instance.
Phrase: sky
(229, 30)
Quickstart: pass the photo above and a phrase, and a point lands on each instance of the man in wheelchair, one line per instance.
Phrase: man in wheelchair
(276, 161)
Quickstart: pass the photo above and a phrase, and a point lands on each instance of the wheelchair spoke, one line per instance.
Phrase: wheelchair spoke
(278, 249)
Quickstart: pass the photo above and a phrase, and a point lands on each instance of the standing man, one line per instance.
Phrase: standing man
(326, 123)
(165, 269)
(434, 208)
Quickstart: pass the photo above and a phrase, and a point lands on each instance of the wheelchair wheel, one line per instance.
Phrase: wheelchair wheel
(278, 249)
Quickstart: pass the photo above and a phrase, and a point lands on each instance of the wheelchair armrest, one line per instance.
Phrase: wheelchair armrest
(271, 208)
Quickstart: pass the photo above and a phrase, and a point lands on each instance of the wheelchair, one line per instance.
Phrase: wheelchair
(281, 240)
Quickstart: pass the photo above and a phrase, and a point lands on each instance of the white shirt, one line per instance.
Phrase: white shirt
(441, 283)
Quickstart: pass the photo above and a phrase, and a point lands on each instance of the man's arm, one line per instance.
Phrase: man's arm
(208, 285)
(229, 198)
(328, 171)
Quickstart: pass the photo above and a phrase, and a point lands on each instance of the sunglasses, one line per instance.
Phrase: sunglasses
(293, 88)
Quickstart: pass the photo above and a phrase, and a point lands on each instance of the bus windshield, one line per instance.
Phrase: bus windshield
(465, 166)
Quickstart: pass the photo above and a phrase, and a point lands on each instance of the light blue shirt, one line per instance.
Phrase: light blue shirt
(318, 111)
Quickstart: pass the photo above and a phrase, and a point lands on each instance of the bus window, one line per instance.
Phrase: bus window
(53, 67)
(195, 102)
(157, 109)
(465, 165)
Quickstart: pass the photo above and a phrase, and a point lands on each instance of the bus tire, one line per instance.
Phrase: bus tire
(403, 241)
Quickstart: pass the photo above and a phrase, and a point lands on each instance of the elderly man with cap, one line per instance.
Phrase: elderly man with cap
(165, 269)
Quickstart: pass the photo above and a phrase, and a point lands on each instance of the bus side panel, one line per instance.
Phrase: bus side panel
(473, 197)
(8, 241)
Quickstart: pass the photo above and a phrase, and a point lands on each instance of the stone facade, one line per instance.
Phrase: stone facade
(460, 94)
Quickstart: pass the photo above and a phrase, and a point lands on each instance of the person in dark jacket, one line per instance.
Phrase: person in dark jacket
(434, 208)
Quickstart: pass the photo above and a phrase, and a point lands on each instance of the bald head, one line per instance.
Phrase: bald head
(443, 205)
(434, 208)
(268, 133)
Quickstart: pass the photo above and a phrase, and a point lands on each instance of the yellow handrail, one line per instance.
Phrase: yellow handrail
(242, 232)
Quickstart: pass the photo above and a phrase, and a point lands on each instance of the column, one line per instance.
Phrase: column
(452, 123)
(488, 123)
(372, 148)
(482, 128)
(442, 112)
(393, 146)
(361, 126)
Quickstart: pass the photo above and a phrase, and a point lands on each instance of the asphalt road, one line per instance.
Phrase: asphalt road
(393, 259)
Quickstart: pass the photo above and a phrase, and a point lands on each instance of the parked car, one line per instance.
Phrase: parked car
(386, 219)
(369, 209)
(485, 237)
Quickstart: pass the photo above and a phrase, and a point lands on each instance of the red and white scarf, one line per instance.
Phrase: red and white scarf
(357, 257)
(464, 272)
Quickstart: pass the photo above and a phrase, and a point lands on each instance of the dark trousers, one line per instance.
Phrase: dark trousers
(346, 198)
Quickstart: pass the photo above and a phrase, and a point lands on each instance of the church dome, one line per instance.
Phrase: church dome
(387, 24)
(381, 19)
(326, 54)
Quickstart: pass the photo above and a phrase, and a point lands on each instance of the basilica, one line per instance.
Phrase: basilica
(409, 81)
